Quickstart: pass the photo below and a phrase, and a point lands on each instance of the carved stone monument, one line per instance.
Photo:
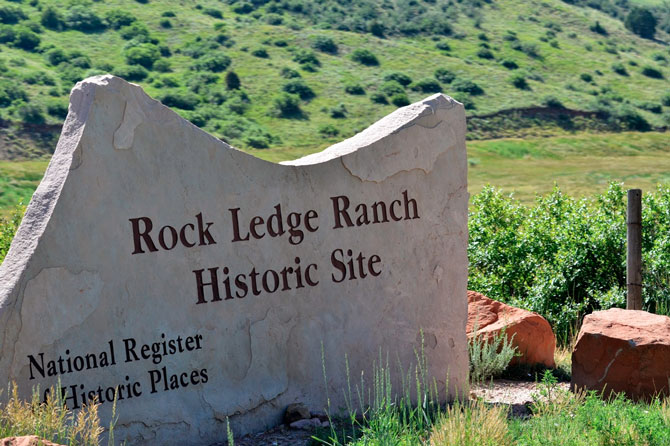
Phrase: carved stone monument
(202, 283)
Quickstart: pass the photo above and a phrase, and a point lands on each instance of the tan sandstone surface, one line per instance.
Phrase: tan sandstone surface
(206, 284)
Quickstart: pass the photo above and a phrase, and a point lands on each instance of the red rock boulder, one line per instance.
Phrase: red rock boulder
(28, 440)
(532, 333)
(623, 351)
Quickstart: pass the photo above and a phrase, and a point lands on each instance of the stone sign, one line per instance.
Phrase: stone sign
(202, 283)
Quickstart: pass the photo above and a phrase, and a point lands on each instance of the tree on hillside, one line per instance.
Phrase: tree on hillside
(642, 22)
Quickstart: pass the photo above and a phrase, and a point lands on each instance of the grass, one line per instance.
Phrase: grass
(50, 420)
(582, 164)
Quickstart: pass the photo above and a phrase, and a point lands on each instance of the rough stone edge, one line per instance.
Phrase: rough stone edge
(385, 127)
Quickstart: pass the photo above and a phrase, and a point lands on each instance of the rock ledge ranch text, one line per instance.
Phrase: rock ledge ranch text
(219, 283)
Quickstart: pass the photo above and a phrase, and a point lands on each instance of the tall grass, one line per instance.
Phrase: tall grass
(50, 420)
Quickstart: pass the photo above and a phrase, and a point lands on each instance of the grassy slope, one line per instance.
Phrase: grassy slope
(557, 71)
(581, 164)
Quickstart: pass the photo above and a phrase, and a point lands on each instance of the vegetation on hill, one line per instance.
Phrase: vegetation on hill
(301, 74)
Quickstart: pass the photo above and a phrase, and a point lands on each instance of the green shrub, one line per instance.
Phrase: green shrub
(354, 89)
(144, 54)
(398, 77)
(650, 107)
(619, 69)
(306, 58)
(552, 102)
(7, 34)
(117, 18)
(339, 111)
(665, 99)
(162, 66)
(509, 64)
(586, 77)
(324, 44)
(289, 73)
(212, 12)
(444, 75)
(427, 85)
(232, 81)
(485, 53)
(489, 357)
(598, 28)
(57, 109)
(26, 39)
(8, 227)
(519, 81)
(215, 63)
(328, 131)
(379, 98)
(184, 101)
(300, 88)
(274, 19)
(652, 72)
(261, 53)
(168, 14)
(286, 105)
(365, 57)
(135, 30)
(443, 46)
(467, 86)
(82, 18)
(243, 8)
(52, 18)
(11, 15)
(165, 23)
(400, 100)
(31, 113)
(642, 22)
(392, 88)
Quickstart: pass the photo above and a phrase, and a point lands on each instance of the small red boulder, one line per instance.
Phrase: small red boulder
(28, 440)
(623, 351)
(532, 333)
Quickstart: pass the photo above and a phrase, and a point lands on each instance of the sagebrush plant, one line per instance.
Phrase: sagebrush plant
(50, 420)
(565, 257)
(489, 356)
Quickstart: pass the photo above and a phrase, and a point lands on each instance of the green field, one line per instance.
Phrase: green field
(581, 164)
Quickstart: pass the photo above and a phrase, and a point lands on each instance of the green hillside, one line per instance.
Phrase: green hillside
(312, 72)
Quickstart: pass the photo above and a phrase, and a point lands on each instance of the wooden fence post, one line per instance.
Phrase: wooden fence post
(634, 250)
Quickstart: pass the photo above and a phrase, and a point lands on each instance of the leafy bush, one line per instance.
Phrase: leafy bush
(8, 227)
(391, 88)
(328, 130)
(400, 100)
(598, 28)
(509, 64)
(379, 98)
(133, 73)
(443, 46)
(52, 18)
(427, 85)
(485, 53)
(306, 58)
(652, 72)
(57, 109)
(628, 118)
(365, 57)
(650, 107)
(467, 86)
(117, 18)
(398, 77)
(355, 89)
(232, 81)
(11, 15)
(324, 44)
(665, 99)
(619, 68)
(82, 18)
(162, 66)
(642, 22)
(184, 101)
(565, 257)
(519, 81)
(339, 111)
(215, 63)
(300, 88)
(289, 73)
(144, 54)
(261, 53)
(286, 105)
(135, 30)
(165, 23)
(7, 34)
(212, 12)
(32, 113)
(552, 102)
(26, 39)
(586, 77)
